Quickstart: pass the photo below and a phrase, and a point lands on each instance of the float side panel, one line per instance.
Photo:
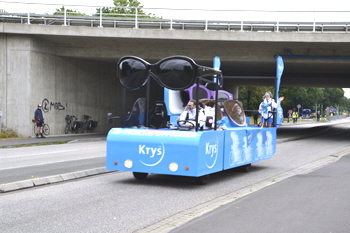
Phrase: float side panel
(248, 145)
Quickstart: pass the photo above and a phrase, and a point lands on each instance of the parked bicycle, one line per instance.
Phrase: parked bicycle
(46, 128)
(89, 125)
(73, 125)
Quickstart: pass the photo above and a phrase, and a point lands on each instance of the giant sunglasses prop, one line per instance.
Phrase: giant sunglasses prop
(175, 73)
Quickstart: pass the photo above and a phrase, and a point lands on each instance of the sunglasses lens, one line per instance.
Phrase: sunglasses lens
(176, 73)
(133, 73)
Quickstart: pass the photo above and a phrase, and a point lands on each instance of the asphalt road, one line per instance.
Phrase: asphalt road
(116, 202)
(25, 163)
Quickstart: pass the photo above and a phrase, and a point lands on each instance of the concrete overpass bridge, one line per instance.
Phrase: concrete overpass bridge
(74, 67)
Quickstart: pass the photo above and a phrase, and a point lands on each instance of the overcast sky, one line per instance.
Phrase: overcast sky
(304, 5)
(266, 5)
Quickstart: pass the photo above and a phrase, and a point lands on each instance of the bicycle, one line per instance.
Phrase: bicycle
(46, 128)
(89, 125)
(74, 126)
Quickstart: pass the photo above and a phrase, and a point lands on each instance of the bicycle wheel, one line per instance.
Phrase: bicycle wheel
(92, 128)
(89, 126)
(66, 130)
(46, 129)
(75, 127)
(34, 129)
(85, 127)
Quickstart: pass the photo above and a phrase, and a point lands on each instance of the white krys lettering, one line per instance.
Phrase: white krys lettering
(210, 149)
(150, 150)
(153, 152)
(141, 147)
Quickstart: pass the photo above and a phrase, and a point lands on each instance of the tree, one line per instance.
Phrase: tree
(126, 9)
(333, 96)
(308, 98)
(68, 11)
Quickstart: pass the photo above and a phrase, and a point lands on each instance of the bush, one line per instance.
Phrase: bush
(8, 134)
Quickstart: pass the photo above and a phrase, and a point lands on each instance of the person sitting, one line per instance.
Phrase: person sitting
(188, 117)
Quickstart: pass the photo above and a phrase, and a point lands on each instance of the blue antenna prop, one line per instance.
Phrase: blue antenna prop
(216, 66)
(279, 71)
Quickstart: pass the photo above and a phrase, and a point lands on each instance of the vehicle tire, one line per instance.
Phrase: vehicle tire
(245, 168)
(46, 129)
(66, 130)
(202, 180)
(140, 175)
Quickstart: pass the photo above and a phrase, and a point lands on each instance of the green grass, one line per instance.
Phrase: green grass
(37, 144)
(8, 134)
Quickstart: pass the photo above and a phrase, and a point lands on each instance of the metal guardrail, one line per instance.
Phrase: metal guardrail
(142, 22)
(337, 117)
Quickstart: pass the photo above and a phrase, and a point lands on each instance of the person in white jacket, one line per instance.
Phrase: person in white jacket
(265, 108)
(188, 117)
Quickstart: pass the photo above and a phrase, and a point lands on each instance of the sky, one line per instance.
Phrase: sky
(295, 5)
(89, 6)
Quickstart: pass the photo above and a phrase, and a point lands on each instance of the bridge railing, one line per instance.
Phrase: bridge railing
(230, 20)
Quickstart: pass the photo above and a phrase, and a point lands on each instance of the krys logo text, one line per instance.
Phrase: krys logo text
(151, 155)
(211, 150)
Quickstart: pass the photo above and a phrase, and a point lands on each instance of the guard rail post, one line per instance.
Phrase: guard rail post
(0, 119)
(100, 18)
(65, 17)
(136, 24)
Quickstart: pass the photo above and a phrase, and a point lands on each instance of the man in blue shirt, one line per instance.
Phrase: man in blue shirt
(39, 120)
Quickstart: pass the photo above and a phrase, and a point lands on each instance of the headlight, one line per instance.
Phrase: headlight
(128, 163)
(173, 167)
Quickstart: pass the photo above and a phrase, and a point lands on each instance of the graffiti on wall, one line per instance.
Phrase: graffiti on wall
(48, 106)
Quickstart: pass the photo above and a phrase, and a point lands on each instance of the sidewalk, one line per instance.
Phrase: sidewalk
(54, 138)
(313, 202)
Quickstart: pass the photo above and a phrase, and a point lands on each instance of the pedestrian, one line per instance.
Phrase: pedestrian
(318, 116)
(295, 116)
(39, 120)
(266, 108)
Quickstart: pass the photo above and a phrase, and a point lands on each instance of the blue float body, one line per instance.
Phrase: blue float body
(191, 153)
(196, 153)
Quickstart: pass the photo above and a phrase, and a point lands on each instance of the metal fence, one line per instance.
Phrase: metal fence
(192, 19)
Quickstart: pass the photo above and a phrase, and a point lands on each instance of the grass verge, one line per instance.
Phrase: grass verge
(8, 134)
(36, 144)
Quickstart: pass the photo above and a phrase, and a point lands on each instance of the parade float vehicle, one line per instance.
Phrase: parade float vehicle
(150, 140)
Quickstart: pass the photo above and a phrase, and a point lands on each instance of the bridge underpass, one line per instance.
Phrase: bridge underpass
(86, 59)
(241, 55)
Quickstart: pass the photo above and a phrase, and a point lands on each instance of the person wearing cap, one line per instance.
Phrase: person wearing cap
(266, 107)
(39, 120)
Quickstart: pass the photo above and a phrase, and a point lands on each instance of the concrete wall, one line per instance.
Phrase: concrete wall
(35, 74)
(3, 59)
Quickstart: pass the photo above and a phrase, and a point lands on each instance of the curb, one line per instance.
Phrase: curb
(51, 179)
(87, 140)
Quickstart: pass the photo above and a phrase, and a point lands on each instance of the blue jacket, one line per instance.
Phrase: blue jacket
(38, 116)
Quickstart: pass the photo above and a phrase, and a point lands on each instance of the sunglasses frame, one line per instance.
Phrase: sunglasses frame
(199, 71)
